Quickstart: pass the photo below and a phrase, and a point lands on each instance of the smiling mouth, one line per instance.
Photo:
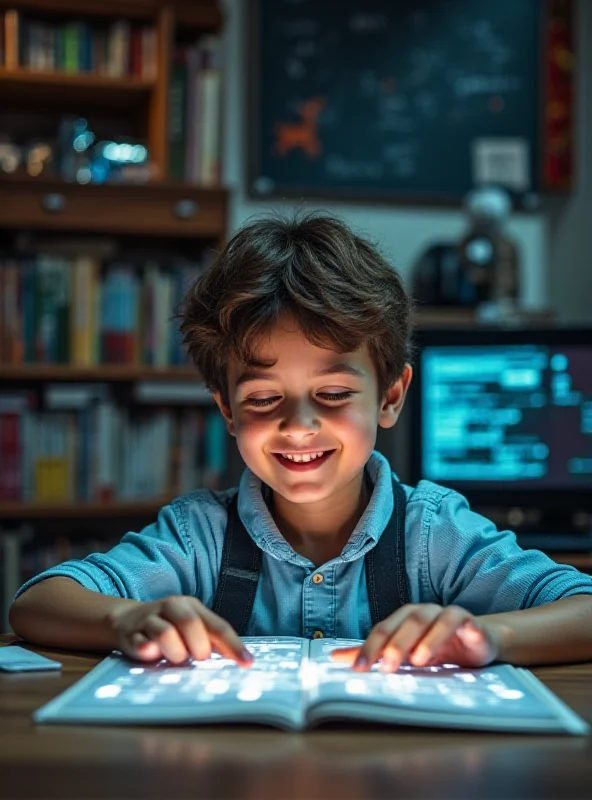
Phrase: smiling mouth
(303, 458)
(303, 461)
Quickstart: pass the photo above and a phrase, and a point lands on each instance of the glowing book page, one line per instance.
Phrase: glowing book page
(499, 697)
(214, 690)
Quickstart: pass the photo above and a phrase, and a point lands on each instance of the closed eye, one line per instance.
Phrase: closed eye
(332, 397)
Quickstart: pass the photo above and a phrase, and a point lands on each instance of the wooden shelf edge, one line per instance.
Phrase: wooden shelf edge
(46, 181)
(202, 14)
(91, 509)
(24, 76)
(579, 559)
(157, 187)
(107, 372)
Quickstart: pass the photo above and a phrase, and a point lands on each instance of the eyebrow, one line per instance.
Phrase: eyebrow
(334, 369)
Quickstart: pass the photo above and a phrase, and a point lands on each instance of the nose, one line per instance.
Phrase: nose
(299, 419)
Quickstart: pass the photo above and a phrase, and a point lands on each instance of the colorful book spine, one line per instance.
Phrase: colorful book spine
(210, 91)
(2, 40)
(11, 300)
(10, 467)
(75, 310)
(193, 116)
(77, 46)
(118, 49)
(98, 451)
(51, 296)
(83, 323)
(149, 53)
(71, 47)
(177, 115)
(204, 111)
(135, 52)
(11, 39)
(14, 408)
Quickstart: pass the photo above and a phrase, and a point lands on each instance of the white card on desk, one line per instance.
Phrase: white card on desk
(16, 659)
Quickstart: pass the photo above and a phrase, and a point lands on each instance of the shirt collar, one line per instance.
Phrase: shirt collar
(259, 523)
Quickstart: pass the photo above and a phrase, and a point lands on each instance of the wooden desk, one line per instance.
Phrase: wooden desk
(257, 763)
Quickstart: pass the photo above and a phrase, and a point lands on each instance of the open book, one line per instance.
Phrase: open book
(294, 684)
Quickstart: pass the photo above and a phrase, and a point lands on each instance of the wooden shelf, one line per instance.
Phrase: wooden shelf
(106, 372)
(202, 15)
(139, 508)
(424, 316)
(31, 87)
(579, 560)
(156, 208)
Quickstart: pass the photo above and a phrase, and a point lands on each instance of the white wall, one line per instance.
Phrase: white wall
(401, 232)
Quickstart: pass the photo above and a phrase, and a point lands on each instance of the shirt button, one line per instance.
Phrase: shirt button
(317, 578)
(317, 635)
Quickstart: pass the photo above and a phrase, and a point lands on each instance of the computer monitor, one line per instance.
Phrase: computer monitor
(505, 416)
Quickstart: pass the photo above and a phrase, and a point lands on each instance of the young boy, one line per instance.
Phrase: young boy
(300, 329)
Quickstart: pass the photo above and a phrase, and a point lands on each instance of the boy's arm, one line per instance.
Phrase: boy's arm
(61, 613)
(467, 561)
(554, 633)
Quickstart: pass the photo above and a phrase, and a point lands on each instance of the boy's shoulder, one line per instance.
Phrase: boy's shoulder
(428, 493)
(217, 498)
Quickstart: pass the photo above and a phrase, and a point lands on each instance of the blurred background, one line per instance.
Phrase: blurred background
(137, 135)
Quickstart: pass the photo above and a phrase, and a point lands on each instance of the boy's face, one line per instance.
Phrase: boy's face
(289, 407)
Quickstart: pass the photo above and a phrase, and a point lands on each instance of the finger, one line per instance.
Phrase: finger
(441, 632)
(416, 617)
(185, 617)
(345, 654)
(136, 645)
(142, 648)
(406, 638)
(167, 637)
(471, 633)
(225, 639)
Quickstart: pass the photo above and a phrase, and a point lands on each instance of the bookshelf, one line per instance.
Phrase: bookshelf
(171, 208)
(148, 508)
(202, 15)
(106, 372)
(121, 81)
(43, 84)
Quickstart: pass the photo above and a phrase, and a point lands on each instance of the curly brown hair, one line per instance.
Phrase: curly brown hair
(336, 285)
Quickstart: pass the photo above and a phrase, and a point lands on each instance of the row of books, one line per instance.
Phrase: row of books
(104, 451)
(37, 556)
(24, 555)
(195, 112)
(85, 311)
(116, 50)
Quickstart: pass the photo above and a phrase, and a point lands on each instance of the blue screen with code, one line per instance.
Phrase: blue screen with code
(514, 414)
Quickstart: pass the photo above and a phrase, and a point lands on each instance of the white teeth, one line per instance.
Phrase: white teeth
(305, 457)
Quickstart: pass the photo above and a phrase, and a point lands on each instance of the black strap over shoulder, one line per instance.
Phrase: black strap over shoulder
(239, 573)
(241, 565)
(386, 576)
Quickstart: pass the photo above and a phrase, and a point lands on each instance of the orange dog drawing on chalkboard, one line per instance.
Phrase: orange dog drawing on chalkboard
(304, 134)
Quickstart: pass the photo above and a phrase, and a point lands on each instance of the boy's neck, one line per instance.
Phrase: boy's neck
(320, 531)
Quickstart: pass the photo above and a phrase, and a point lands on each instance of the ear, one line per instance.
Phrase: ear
(394, 397)
(226, 413)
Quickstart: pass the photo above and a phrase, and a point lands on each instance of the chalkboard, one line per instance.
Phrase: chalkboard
(415, 99)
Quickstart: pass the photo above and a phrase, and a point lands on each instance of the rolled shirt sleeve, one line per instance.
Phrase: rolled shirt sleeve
(156, 562)
(472, 564)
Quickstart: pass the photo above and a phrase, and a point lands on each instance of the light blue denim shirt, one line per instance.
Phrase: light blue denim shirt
(453, 555)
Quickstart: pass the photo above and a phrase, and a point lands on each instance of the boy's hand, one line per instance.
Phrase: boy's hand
(175, 628)
(423, 635)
